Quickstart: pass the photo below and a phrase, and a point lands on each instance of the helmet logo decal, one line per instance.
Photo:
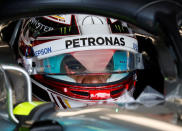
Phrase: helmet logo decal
(91, 41)
(92, 20)
(63, 19)
(40, 26)
(84, 43)
(43, 51)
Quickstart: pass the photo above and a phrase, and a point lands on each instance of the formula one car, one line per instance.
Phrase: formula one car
(157, 99)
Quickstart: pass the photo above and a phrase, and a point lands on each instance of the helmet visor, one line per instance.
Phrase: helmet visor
(89, 62)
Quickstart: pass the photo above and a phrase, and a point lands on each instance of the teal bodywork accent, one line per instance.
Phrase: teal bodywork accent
(7, 125)
(89, 124)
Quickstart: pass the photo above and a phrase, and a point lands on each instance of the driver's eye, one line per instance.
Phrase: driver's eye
(75, 66)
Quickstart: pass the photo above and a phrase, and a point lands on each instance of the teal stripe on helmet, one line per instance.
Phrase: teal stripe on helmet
(49, 67)
(120, 61)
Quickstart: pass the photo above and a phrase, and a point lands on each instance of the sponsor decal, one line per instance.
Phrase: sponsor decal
(94, 41)
(40, 26)
(135, 46)
(58, 17)
(71, 44)
(43, 51)
(63, 19)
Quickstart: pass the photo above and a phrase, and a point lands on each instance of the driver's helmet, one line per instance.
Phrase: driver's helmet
(79, 59)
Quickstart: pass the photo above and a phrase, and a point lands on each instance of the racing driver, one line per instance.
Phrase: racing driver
(78, 59)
